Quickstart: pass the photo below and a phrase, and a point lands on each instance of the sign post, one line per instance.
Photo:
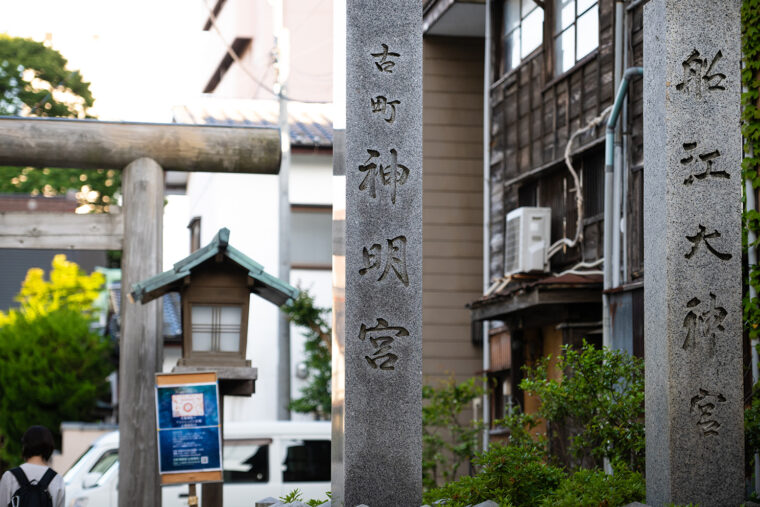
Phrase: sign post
(189, 428)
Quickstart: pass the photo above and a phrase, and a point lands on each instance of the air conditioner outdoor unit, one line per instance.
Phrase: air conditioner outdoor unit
(528, 236)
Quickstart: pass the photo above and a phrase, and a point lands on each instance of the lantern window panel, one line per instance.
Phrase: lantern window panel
(216, 328)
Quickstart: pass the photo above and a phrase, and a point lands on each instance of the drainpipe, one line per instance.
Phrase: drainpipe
(609, 178)
(617, 168)
(486, 212)
(612, 195)
(609, 189)
(625, 156)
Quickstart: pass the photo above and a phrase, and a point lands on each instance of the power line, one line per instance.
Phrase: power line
(247, 72)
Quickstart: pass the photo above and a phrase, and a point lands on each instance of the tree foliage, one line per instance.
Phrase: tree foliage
(54, 366)
(34, 81)
(600, 395)
(601, 392)
(315, 395)
(449, 434)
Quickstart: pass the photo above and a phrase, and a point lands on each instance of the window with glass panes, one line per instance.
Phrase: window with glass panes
(576, 31)
(522, 32)
(216, 328)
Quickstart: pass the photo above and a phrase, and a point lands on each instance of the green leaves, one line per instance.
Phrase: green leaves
(596, 488)
(449, 436)
(315, 395)
(599, 399)
(509, 475)
(54, 366)
(34, 81)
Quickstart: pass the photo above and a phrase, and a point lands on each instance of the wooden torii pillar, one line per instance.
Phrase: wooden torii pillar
(143, 151)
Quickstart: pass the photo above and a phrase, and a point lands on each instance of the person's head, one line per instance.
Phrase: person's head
(37, 441)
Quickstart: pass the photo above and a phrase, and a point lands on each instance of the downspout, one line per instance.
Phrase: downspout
(609, 185)
(486, 214)
(609, 177)
(625, 164)
(618, 155)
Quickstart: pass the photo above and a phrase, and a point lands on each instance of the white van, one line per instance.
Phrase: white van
(260, 459)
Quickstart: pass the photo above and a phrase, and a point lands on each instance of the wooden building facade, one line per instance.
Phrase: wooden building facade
(544, 91)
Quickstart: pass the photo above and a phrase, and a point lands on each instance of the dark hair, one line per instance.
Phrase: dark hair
(37, 441)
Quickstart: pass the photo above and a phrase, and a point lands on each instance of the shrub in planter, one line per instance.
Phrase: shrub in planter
(510, 475)
(592, 488)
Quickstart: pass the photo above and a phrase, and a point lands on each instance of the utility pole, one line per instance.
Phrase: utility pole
(282, 69)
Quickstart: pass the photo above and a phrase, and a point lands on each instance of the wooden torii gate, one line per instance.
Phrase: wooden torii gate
(143, 151)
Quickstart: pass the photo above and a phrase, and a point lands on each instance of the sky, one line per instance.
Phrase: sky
(140, 56)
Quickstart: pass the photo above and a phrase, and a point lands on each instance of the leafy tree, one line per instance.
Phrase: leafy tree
(600, 397)
(449, 441)
(53, 365)
(315, 395)
(34, 81)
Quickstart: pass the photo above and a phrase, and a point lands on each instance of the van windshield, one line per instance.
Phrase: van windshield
(246, 460)
(74, 469)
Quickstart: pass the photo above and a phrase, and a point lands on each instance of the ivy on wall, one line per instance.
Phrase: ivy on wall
(751, 133)
(751, 171)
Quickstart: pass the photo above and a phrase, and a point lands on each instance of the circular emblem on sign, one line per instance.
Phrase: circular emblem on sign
(188, 407)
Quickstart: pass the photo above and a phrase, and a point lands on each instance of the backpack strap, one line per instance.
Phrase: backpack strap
(47, 479)
(20, 476)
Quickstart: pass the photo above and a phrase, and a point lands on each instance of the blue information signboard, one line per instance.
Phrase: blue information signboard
(188, 420)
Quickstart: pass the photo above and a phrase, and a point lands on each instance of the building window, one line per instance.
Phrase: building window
(523, 31)
(592, 178)
(576, 31)
(311, 237)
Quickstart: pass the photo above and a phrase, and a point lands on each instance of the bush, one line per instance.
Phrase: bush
(599, 398)
(54, 366)
(448, 442)
(510, 475)
(592, 488)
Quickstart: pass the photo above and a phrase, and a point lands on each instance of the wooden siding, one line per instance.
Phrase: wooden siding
(452, 204)
(534, 113)
(635, 190)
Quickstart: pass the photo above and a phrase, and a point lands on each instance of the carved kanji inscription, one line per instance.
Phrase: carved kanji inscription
(381, 336)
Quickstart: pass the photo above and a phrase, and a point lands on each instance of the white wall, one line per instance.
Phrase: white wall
(310, 179)
(176, 234)
(248, 206)
(310, 25)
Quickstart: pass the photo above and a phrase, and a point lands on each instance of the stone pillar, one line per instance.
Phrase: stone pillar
(338, 252)
(338, 381)
(692, 229)
(383, 326)
(141, 343)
